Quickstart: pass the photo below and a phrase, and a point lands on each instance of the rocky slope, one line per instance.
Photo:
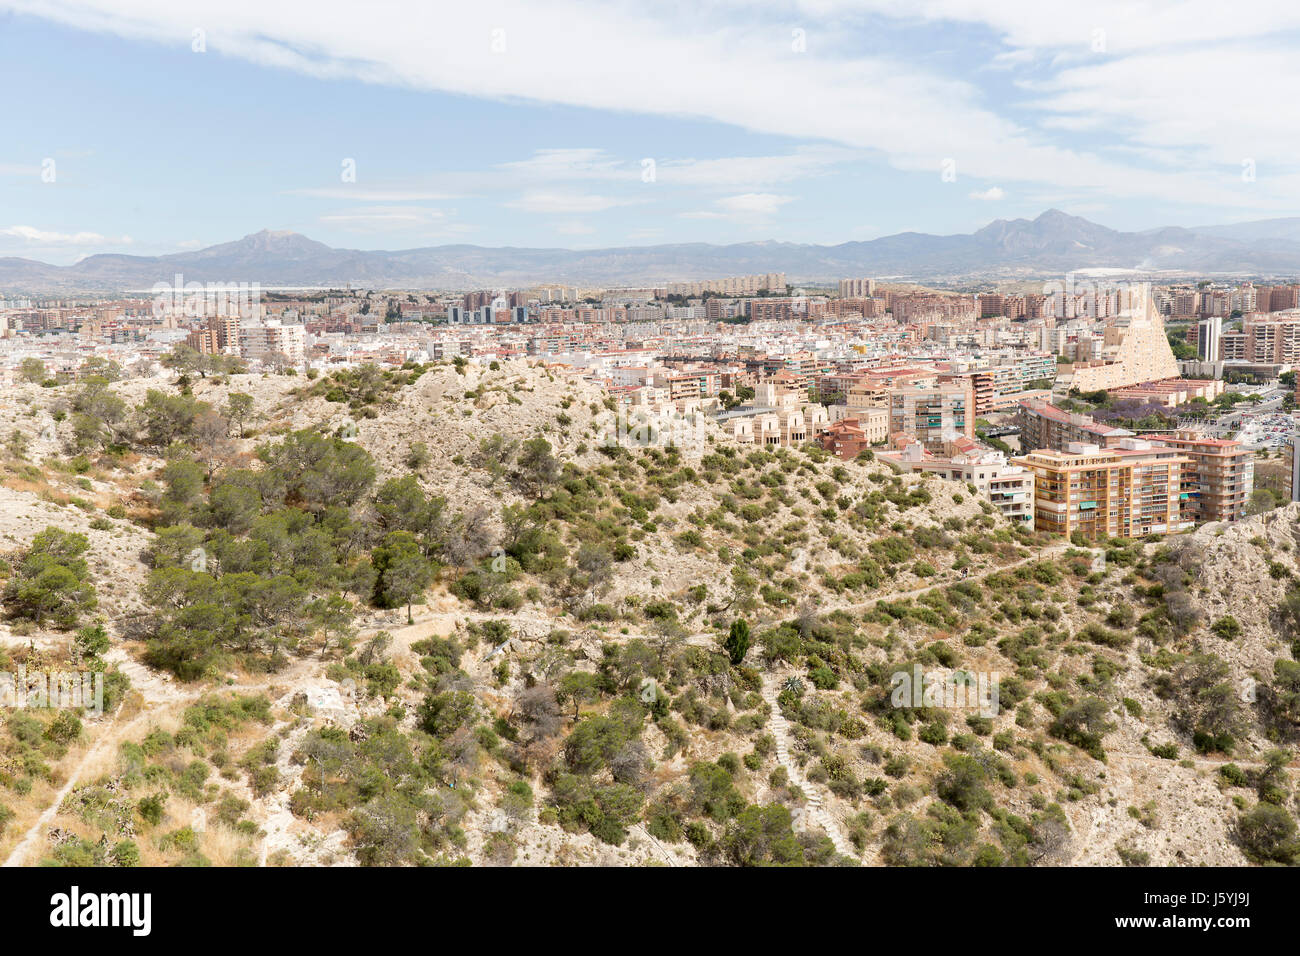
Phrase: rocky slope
(845, 573)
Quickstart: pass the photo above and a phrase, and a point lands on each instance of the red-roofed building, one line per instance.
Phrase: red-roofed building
(1043, 425)
(845, 438)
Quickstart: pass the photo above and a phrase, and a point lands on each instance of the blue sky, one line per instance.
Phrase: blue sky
(531, 124)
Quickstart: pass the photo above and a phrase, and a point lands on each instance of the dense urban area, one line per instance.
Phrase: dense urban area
(725, 572)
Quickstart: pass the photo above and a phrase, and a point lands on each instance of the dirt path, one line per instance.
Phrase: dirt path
(711, 640)
(169, 696)
(816, 810)
(112, 736)
(639, 830)
(1043, 555)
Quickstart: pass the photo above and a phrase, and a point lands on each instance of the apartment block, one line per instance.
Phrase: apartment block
(1209, 332)
(771, 310)
(933, 415)
(857, 288)
(1283, 297)
(203, 340)
(273, 342)
(1126, 492)
(1009, 486)
(688, 384)
(1218, 480)
(1232, 346)
(1273, 341)
(733, 285)
(1043, 425)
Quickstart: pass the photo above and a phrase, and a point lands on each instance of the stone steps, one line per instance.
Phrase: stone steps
(816, 809)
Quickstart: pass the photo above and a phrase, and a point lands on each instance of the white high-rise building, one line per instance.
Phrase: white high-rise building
(1208, 334)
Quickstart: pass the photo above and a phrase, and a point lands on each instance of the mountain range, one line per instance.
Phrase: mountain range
(1051, 244)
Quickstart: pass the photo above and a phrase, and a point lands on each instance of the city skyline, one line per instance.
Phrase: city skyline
(575, 127)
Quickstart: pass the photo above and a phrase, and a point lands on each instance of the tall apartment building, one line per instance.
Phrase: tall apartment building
(220, 335)
(932, 306)
(1243, 300)
(1216, 302)
(857, 288)
(1274, 341)
(203, 340)
(1218, 479)
(1043, 425)
(273, 342)
(990, 304)
(1185, 304)
(227, 333)
(732, 285)
(1284, 297)
(771, 310)
(1232, 346)
(934, 414)
(1126, 492)
(1209, 332)
(1263, 299)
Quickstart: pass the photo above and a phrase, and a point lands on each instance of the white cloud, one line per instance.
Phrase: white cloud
(578, 164)
(992, 194)
(568, 163)
(48, 237)
(1065, 26)
(564, 202)
(373, 195)
(574, 229)
(391, 218)
(756, 170)
(19, 169)
(731, 62)
(754, 204)
(744, 207)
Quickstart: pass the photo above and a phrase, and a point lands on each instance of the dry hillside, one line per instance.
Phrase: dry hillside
(614, 655)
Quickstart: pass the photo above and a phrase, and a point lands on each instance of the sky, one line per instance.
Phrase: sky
(155, 126)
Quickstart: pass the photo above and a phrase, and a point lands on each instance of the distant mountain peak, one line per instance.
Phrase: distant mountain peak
(256, 247)
(1054, 242)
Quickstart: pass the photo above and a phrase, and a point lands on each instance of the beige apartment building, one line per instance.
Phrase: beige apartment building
(1134, 350)
(273, 342)
(933, 415)
(857, 288)
(732, 285)
(1273, 341)
(219, 335)
(1126, 492)
(1218, 479)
